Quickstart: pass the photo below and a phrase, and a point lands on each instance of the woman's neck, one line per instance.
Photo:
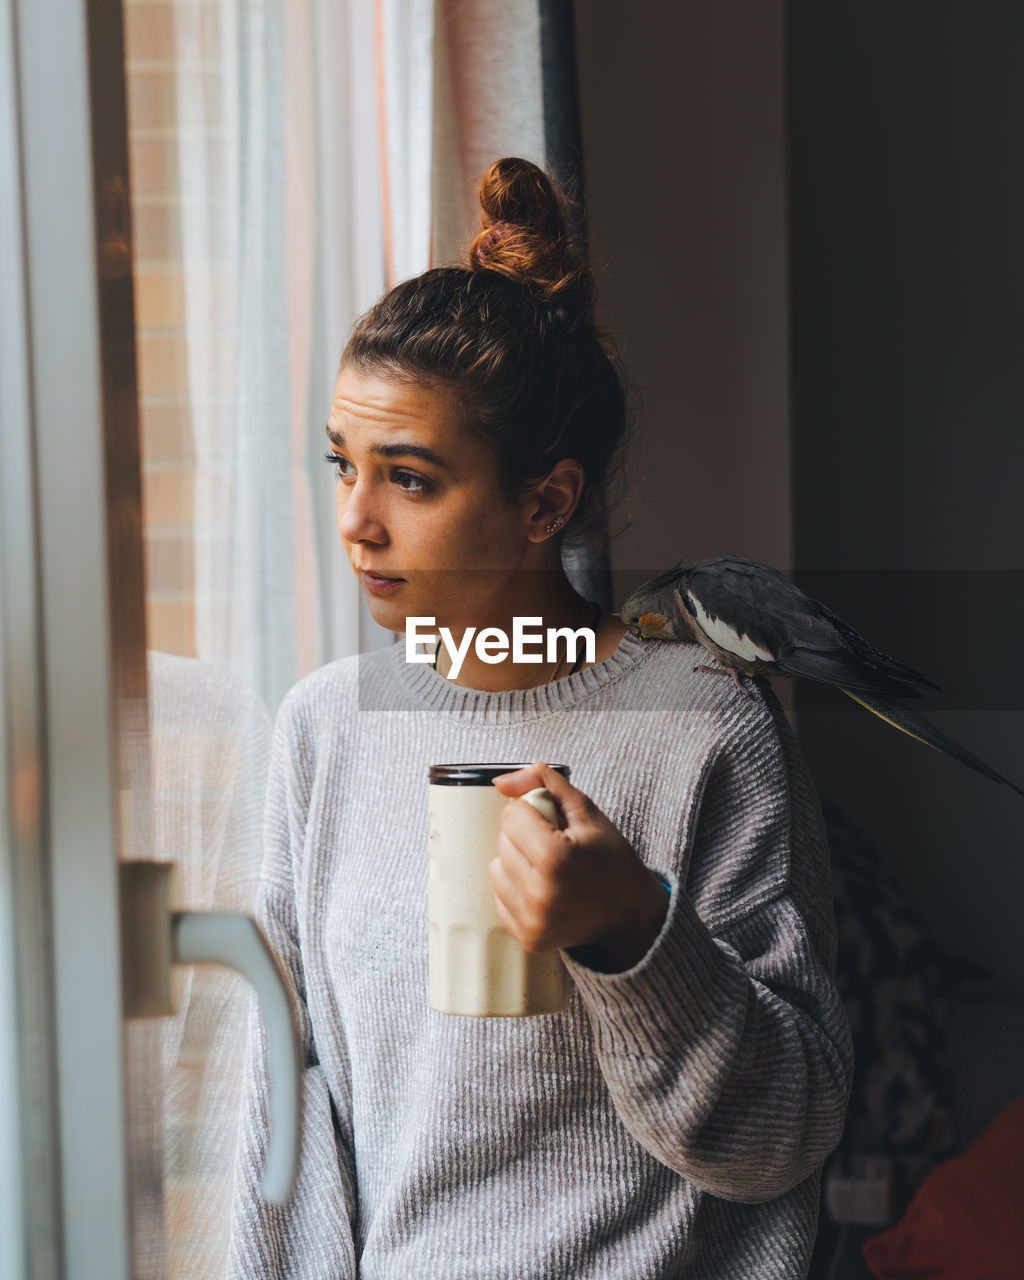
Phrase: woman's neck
(564, 609)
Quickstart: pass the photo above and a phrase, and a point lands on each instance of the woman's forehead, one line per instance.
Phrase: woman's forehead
(374, 412)
(389, 402)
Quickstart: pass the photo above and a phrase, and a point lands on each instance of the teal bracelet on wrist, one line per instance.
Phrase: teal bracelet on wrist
(666, 886)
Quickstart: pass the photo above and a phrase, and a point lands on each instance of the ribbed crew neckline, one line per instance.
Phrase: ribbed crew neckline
(436, 692)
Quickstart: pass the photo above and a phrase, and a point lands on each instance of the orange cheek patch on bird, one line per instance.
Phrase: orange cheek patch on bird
(652, 622)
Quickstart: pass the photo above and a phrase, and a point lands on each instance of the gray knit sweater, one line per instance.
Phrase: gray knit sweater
(674, 1119)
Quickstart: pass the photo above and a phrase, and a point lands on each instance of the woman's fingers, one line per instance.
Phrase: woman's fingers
(518, 782)
(512, 863)
(508, 920)
(583, 884)
(540, 842)
(519, 893)
(576, 807)
(529, 936)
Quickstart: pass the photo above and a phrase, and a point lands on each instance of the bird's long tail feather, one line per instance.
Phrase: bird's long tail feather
(909, 722)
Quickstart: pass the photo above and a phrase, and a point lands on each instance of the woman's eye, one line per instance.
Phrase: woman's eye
(337, 461)
(411, 483)
(407, 481)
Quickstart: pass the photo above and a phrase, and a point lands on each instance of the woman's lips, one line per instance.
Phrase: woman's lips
(380, 584)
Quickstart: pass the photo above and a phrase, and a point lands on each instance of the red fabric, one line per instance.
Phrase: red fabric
(966, 1220)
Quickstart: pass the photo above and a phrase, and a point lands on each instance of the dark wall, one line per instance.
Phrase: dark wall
(905, 137)
(683, 140)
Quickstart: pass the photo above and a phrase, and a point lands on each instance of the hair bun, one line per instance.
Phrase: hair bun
(526, 236)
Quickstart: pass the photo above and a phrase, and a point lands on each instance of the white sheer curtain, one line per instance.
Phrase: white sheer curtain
(231, 133)
(406, 50)
(282, 246)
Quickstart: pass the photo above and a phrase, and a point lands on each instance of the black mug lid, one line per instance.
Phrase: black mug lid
(478, 775)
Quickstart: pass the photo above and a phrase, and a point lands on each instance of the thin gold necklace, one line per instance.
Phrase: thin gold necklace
(558, 665)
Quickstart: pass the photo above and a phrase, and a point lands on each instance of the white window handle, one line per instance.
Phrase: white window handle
(155, 936)
(223, 937)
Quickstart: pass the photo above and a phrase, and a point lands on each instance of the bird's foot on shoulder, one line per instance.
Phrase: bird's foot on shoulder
(727, 671)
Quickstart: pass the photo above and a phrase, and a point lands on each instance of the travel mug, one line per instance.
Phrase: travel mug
(476, 967)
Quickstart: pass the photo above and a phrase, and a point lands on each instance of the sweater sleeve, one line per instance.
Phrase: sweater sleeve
(312, 1236)
(726, 1049)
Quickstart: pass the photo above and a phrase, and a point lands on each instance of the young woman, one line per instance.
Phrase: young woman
(673, 1120)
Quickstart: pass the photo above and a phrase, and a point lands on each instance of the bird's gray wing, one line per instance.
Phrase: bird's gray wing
(744, 606)
(872, 656)
(803, 636)
(909, 722)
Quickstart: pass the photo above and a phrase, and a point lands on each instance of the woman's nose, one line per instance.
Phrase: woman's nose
(358, 517)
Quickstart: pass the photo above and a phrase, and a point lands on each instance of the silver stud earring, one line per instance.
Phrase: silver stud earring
(552, 525)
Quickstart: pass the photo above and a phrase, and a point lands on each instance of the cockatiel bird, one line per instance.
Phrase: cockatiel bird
(756, 622)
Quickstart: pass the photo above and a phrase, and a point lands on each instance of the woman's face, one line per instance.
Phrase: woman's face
(419, 500)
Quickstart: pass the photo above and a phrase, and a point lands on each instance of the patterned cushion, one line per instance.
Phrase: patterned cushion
(897, 984)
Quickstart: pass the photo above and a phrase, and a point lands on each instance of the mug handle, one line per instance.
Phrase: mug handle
(544, 802)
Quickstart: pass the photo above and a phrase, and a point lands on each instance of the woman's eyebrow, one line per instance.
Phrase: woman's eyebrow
(383, 449)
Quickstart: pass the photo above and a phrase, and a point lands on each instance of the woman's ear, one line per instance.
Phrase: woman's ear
(557, 495)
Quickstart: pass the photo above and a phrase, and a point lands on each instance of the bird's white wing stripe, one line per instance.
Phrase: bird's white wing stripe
(725, 637)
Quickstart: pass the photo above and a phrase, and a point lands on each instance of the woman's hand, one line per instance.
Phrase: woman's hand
(581, 886)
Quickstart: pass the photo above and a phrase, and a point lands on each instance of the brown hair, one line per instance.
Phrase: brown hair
(511, 336)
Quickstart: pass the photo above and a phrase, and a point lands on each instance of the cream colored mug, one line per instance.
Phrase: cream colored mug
(476, 968)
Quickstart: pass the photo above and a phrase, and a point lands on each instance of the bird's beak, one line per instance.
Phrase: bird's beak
(633, 628)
